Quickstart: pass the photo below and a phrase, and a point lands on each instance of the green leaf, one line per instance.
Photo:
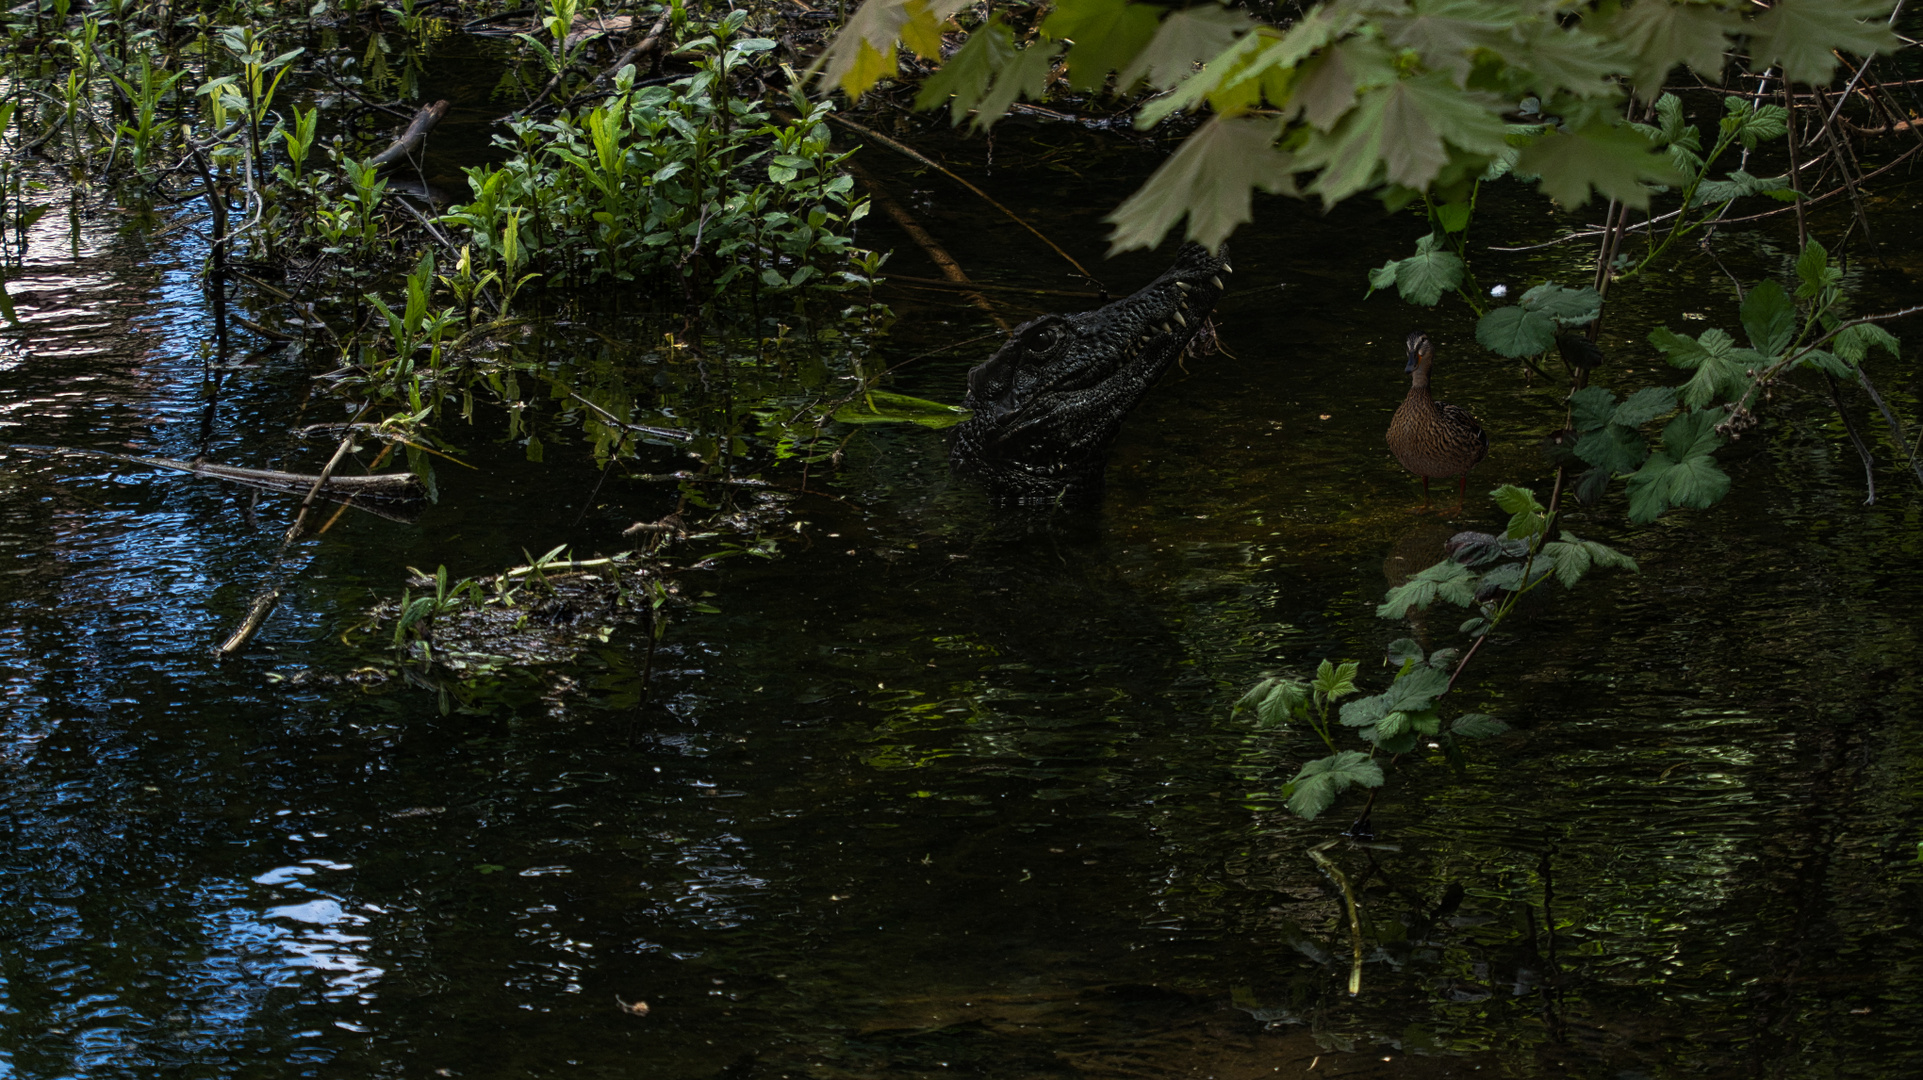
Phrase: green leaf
(1515, 331)
(881, 407)
(1333, 682)
(1477, 549)
(1720, 368)
(1404, 652)
(1569, 307)
(1318, 783)
(863, 53)
(1476, 725)
(6, 307)
(1453, 217)
(1390, 727)
(1108, 36)
(1364, 712)
(1526, 515)
(1615, 447)
(1740, 184)
(1683, 473)
(1447, 580)
(1615, 161)
(1184, 39)
(1800, 34)
(1326, 87)
(1592, 408)
(1254, 697)
(1661, 35)
(986, 75)
(1416, 690)
(1402, 133)
(1769, 319)
(1826, 362)
(1853, 343)
(1814, 271)
(1422, 278)
(1209, 179)
(1645, 405)
(1283, 703)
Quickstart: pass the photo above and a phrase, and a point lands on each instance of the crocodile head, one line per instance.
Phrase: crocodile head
(1047, 406)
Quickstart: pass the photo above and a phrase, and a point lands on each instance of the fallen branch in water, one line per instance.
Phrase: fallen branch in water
(409, 143)
(387, 487)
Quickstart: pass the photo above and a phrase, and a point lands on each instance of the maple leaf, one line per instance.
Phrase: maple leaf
(1616, 161)
(863, 53)
(1185, 39)
(1661, 35)
(1209, 179)
(986, 75)
(1107, 35)
(1800, 35)
(1399, 131)
(1326, 87)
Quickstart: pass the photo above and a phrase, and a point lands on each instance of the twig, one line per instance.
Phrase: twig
(915, 155)
(943, 261)
(1889, 417)
(1862, 450)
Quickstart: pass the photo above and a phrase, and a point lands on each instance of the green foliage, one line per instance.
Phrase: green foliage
(881, 407)
(1424, 277)
(1683, 472)
(1719, 366)
(986, 75)
(1395, 96)
(1222, 161)
(1529, 326)
(1318, 783)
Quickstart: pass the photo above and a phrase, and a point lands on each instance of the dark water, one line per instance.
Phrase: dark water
(941, 793)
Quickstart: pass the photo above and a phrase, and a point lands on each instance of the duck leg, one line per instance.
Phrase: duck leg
(1462, 488)
(1424, 508)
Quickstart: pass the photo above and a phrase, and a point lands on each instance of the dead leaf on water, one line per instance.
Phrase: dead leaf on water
(639, 1008)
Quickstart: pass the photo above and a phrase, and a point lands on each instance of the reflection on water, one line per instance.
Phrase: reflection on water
(939, 791)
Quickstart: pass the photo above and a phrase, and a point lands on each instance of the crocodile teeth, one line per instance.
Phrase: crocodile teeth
(1184, 286)
(1180, 319)
(1217, 282)
(1226, 268)
(1166, 328)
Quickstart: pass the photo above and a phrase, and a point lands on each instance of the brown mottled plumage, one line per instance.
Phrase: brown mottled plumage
(1429, 438)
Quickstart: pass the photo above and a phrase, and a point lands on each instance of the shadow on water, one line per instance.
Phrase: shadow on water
(942, 792)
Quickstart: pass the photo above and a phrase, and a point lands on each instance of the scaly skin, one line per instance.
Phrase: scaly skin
(1049, 404)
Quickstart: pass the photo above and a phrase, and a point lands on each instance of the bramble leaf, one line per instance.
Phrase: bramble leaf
(1645, 405)
(1768, 318)
(1569, 307)
(1516, 331)
(1526, 515)
(1814, 271)
(1404, 652)
(1476, 725)
(1853, 342)
(1285, 699)
(1682, 473)
(1826, 362)
(1333, 682)
(1592, 408)
(1740, 184)
(1446, 580)
(1318, 783)
(1422, 278)
(1208, 179)
(1416, 690)
(1720, 367)
(1615, 447)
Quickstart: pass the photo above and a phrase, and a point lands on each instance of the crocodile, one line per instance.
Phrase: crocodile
(1046, 408)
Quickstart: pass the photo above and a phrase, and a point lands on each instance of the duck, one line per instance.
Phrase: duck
(1429, 438)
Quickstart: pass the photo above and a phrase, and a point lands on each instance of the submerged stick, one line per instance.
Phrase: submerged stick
(410, 140)
(1348, 894)
(917, 156)
(1849, 425)
(943, 261)
(393, 487)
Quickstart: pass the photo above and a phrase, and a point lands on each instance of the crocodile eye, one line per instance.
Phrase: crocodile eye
(1043, 338)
